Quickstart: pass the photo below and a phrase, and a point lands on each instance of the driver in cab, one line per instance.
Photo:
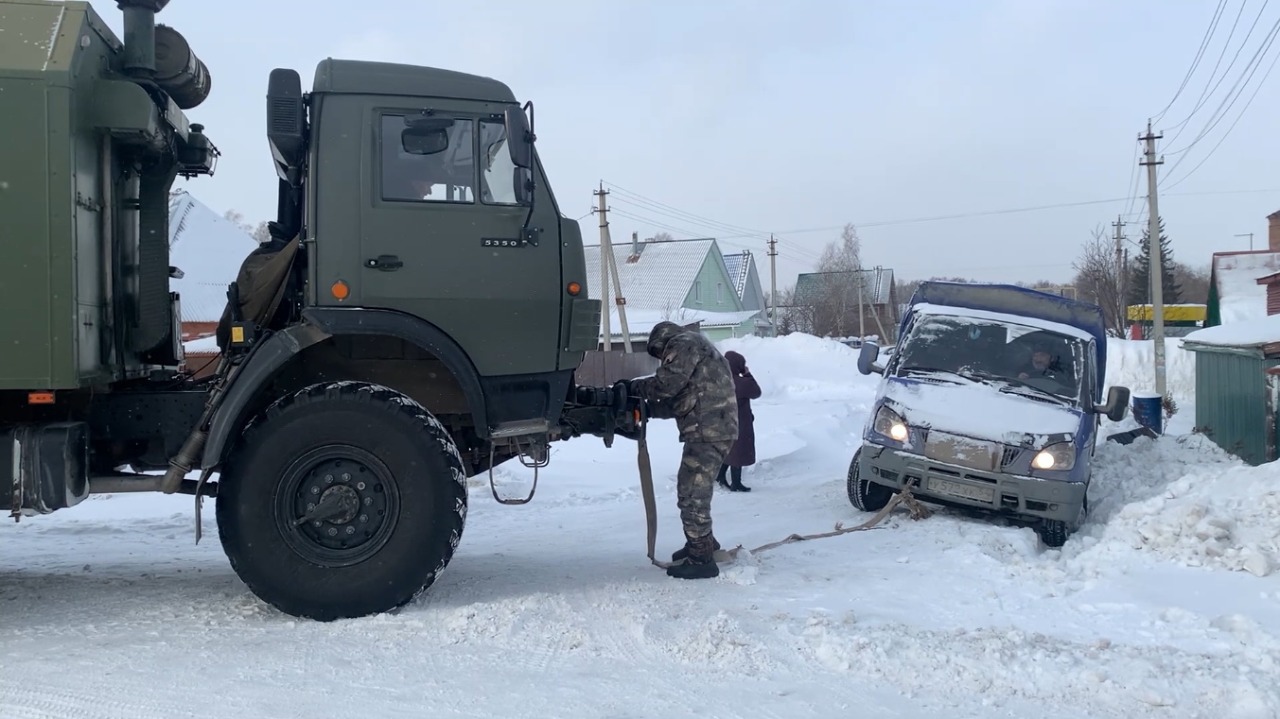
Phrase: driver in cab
(1042, 365)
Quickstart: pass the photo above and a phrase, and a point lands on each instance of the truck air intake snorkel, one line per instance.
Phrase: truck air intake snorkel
(159, 55)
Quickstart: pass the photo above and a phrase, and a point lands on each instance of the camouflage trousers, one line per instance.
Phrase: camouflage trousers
(695, 482)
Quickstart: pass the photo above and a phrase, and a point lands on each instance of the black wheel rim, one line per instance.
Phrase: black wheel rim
(337, 505)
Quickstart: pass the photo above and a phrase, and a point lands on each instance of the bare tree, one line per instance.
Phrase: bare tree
(1100, 277)
(259, 233)
(833, 304)
(1194, 282)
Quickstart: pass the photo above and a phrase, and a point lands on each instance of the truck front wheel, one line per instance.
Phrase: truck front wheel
(342, 500)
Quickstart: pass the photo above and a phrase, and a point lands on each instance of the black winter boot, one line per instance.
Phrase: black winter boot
(700, 563)
(737, 485)
(720, 478)
(680, 554)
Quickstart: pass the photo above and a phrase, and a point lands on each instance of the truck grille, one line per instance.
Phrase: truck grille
(962, 451)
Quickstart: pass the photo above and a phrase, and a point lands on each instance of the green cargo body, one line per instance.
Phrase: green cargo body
(1235, 399)
(69, 117)
(50, 231)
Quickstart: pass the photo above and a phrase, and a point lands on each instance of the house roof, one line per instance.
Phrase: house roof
(877, 284)
(1235, 277)
(1270, 279)
(1248, 333)
(209, 250)
(739, 265)
(659, 280)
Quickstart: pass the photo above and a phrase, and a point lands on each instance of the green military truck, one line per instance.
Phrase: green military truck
(415, 320)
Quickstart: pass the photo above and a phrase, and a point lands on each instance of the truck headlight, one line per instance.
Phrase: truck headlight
(890, 424)
(1061, 456)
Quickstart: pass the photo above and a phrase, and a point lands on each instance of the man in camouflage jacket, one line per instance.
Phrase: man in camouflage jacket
(694, 386)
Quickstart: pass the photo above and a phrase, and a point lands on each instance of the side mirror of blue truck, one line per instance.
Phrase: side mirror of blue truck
(867, 356)
(1117, 404)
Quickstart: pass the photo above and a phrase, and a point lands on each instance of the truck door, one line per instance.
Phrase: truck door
(440, 238)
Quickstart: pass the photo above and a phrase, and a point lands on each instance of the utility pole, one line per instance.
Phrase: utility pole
(607, 269)
(1154, 251)
(773, 285)
(606, 336)
(1122, 272)
(862, 315)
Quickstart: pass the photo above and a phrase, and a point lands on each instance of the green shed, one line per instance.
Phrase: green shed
(1238, 386)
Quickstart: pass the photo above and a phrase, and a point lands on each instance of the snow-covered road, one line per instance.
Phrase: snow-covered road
(1166, 605)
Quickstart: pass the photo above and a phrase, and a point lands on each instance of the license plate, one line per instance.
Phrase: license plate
(956, 489)
(962, 451)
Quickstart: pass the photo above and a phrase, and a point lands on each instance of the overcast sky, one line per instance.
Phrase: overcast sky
(736, 119)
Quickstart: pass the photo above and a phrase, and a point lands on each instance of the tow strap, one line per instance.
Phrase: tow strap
(903, 496)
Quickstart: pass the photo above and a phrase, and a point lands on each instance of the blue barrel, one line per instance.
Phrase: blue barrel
(1148, 410)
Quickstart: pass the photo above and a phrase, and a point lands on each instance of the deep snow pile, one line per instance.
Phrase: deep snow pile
(1186, 501)
(1131, 363)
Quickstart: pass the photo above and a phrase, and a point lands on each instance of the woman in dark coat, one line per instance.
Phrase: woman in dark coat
(743, 453)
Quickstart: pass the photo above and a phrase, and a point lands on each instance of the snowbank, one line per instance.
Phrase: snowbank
(1186, 501)
(1131, 363)
(1250, 333)
(801, 366)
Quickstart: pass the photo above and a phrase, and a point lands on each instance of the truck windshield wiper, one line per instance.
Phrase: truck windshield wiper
(928, 370)
(1014, 382)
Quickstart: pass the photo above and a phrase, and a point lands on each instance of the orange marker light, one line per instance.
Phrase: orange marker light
(40, 398)
(574, 289)
(340, 290)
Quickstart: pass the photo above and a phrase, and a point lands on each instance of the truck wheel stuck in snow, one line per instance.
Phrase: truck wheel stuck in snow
(992, 399)
(416, 318)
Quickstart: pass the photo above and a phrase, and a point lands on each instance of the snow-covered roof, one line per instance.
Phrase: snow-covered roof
(1235, 275)
(204, 345)
(1246, 333)
(739, 266)
(877, 284)
(209, 249)
(659, 280)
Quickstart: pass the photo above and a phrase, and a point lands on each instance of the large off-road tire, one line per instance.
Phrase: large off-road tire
(394, 484)
(864, 494)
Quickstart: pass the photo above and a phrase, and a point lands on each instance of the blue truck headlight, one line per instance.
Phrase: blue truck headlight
(890, 424)
(1061, 456)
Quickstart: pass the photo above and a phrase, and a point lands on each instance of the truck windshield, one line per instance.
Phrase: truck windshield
(1018, 358)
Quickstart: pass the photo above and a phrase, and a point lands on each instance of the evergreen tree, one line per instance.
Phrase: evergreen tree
(1140, 272)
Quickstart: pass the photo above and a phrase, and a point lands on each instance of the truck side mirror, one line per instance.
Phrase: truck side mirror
(867, 356)
(1117, 404)
(519, 138)
(286, 123)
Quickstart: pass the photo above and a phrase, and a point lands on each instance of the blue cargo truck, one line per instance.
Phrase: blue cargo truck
(992, 399)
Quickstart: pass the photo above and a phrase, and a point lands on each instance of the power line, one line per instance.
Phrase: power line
(1204, 43)
(1209, 85)
(1230, 99)
(677, 213)
(1229, 129)
(1219, 118)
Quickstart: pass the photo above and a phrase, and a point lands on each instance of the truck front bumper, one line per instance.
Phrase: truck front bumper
(994, 491)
